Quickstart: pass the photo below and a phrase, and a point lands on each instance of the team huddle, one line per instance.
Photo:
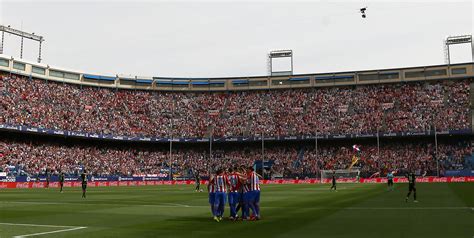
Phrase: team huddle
(241, 187)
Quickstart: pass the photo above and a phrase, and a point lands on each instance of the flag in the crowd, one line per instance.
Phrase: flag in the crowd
(354, 161)
(356, 148)
(356, 156)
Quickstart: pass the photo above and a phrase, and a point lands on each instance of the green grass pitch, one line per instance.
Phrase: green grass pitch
(356, 210)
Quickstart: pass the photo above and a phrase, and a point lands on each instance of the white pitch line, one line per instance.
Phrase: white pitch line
(177, 205)
(33, 202)
(174, 204)
(37, 225)
(407, 208)
(51, 232)
(69, 228)
(166, 205)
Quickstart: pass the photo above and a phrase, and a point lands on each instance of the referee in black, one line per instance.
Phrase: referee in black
(411, 186)
(48, 177)
(197, 180)
(84, 183)
(61, 181)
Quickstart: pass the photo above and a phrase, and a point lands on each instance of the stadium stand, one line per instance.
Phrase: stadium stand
(394, 107)
(33, 158)
(405, 107)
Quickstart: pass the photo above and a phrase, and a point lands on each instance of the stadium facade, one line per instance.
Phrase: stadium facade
(331, 79)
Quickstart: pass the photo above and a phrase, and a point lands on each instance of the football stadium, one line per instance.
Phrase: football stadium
(378, 152)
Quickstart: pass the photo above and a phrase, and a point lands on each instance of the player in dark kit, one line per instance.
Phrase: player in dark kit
(197, 180)
(84, 183)
(61, 182)
(411, 186)
(333, 181)
(48, 176)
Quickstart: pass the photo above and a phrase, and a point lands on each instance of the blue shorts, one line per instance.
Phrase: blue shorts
(234, 197)
(220, 198)
(252, 196)
(212, 198)
(247, 197)
(256, 195)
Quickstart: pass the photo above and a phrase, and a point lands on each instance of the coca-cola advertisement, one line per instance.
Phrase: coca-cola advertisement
(6, 185)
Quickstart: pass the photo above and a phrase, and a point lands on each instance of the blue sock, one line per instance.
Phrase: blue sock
(257, 208)
(222, 209)
(214, 209)
(252, 207)
(245, 210)
(232, 209)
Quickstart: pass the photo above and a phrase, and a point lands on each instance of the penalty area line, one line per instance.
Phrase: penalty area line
(51, 232)
(37, 225)
(66, 229)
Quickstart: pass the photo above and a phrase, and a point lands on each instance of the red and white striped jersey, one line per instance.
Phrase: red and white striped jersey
(234, 182)
(212, 188)
(254, 182)
(221, 183)
(245, 187)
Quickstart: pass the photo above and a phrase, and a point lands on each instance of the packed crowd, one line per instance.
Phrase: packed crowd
(404, 157)
(34, 158)
(417, 106)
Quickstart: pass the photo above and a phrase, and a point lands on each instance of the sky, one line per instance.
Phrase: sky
(233, 38)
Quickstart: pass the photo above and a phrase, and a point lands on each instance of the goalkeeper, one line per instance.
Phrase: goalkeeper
(333, 181)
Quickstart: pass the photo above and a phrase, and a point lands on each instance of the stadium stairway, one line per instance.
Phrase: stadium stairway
(384, 121)
(297, 162)
(446, 96)
(471, 104)
(305, 109)
(469, 162)
(126, 108)
(209, 130)
(291, 129)
(350, 108)
(223, 112)
(247, 127)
